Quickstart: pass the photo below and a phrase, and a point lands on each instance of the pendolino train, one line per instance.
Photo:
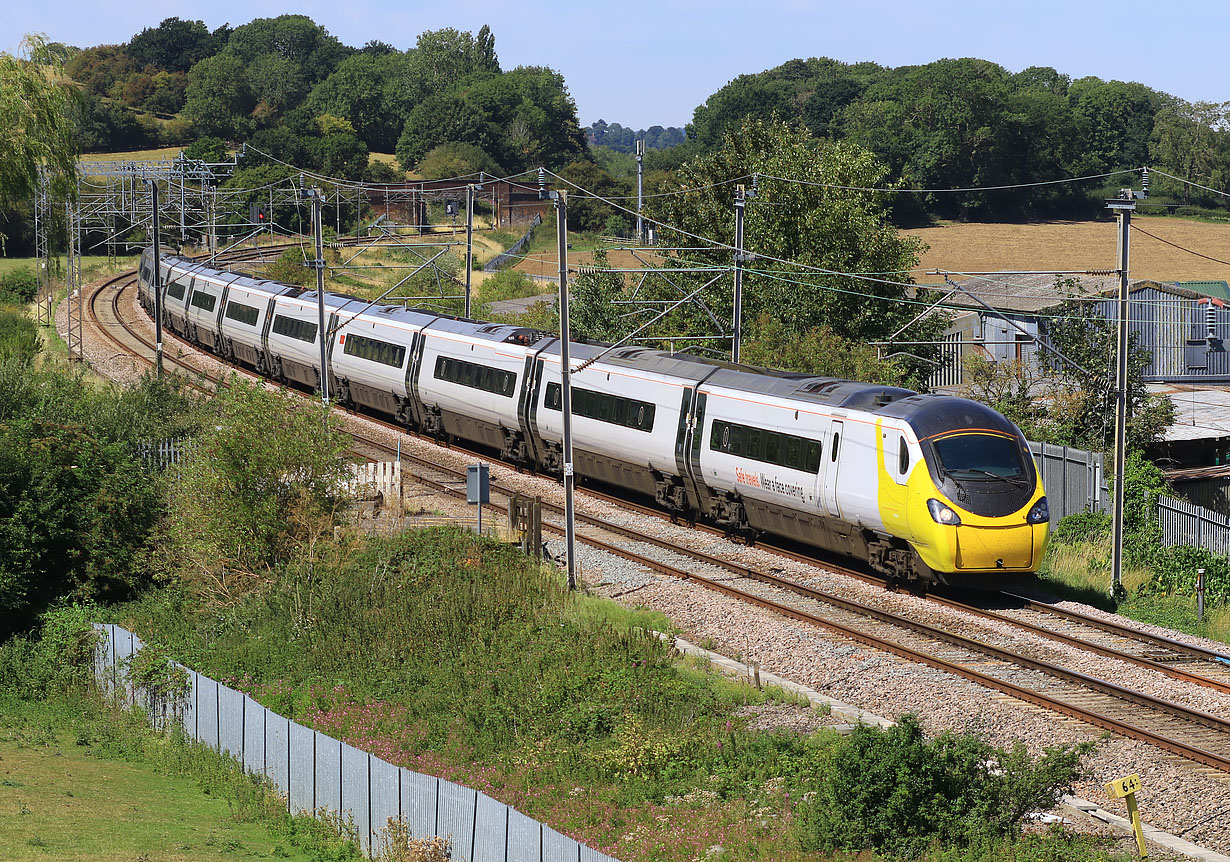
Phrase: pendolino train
(928, 487)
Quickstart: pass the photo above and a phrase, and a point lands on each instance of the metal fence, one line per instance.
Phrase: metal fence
(1185, 523)
(1074, 479)
(317, 773)
(508, 256)
(161, 454)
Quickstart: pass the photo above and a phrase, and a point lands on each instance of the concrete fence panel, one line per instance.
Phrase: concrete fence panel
(189, 705)
(458, 806)
(385, 800)
(356, 801)
(420, 795)
(207, 712)
(491, 830)
(524, 838)
(277, 752)
(254, 720)
(558, 847)
(231, 708)
(328, 773)
(302, 761)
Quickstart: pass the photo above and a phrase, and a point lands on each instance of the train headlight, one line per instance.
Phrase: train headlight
(1040, 513)
(943, 514)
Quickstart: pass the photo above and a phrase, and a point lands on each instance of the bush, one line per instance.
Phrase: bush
(1174, 571)
(289, 268)
(898, 793)
(18, 285)
(57, 659)
(511, 284)
(1082, 527)
(18, 339)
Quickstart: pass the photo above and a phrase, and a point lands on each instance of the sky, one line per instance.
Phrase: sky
(644, 64)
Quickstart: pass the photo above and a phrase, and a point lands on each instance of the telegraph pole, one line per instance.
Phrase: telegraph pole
(469, 242)
(319, 264)
(640, 197)
(740, 206)
(1123, 207)
(561, 218)
(153, 189)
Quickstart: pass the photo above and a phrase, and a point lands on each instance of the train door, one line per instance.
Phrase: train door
(687, 446)
(830, 464)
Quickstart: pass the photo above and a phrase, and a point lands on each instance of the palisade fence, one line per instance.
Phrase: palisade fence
(318, 774)
(510, 255)
(1185, 523)
(1073, 478)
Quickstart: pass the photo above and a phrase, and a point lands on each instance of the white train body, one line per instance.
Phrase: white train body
(921, 486)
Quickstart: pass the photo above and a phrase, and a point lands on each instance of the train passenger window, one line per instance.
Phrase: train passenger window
(813, 456)
(903, 456)
(176, 290)
(793, 445)
(203, 301)
(603, 407)
(772, 448)
(242, 313)
(554, 394)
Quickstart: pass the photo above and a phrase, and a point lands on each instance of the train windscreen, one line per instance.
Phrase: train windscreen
(980, 456)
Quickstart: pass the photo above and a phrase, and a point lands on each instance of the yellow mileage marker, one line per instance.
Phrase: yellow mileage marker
(1125, 788)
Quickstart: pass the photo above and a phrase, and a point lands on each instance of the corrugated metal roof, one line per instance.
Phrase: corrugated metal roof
(1200, 413)
(1026, 293)
(1217, 289)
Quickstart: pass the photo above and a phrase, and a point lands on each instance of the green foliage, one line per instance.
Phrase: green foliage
(455, 159)
(822, 352)
(262, 476)
(207, 149)
(1174, 573)
(19, 342)
(173, 45)
(290, 268)
(511, 284)
(18, 285)
(1082, 527)
(898, 793)
(219, 101)
(591, 312)
(815, 226)
(36, 112)
(55, 659)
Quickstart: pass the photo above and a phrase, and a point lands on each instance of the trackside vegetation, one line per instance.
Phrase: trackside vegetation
(436, 650)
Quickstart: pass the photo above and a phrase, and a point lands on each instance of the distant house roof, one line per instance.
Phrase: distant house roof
(1024, 293)
(1216, 289)
(1028, 293)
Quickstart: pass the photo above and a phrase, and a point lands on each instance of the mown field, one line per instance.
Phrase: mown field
(1079, 245)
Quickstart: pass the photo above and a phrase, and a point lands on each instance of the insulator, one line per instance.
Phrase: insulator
(1210, 319)
(1144, 179)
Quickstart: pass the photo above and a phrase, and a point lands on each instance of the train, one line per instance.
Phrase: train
(925, 488)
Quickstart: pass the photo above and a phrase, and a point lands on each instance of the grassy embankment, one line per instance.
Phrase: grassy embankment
(82, 781)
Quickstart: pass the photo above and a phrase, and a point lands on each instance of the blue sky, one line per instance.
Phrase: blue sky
(642, 64)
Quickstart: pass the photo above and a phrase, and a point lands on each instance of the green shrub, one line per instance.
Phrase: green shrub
(511, 284)
(56, 659)
(289, 268)
(898, 793)
(19, 285)
(1174, 571)
(1082, 527)
(19, 341)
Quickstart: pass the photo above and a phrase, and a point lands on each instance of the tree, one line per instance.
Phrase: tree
(264, 468)
(457, 160)
(173, 45)
(444, 119)
(296, 38)
(36, 113)
(219, 100)
(824, 353)
(357, 90)
(819, 231)
(443, 58)
(1185, 142)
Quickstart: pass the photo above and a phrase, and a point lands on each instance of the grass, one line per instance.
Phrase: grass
(78, 781)
(1081, 572)
(460, 658)
(1068, 245)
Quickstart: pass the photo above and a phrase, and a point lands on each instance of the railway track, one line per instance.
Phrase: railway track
(1034, 675)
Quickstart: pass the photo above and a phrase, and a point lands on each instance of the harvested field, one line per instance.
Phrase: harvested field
(1080, 245)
